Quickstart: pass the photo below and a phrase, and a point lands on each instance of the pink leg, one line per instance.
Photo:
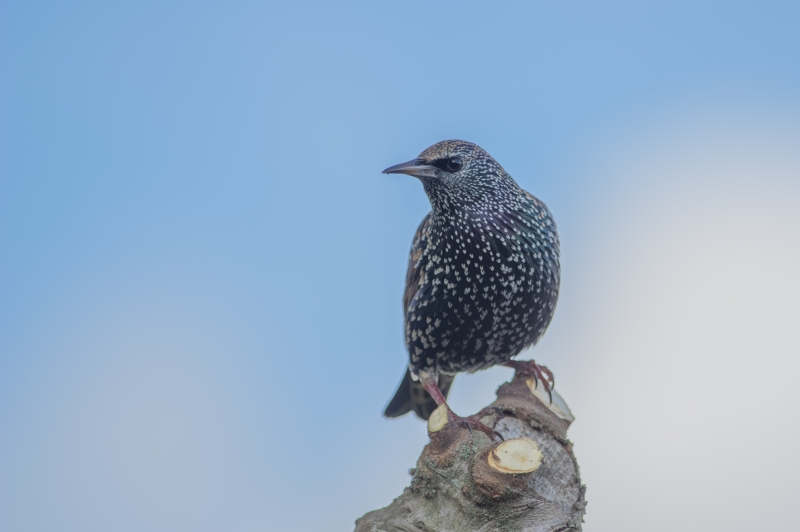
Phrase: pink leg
(472, 421)
(432, 388)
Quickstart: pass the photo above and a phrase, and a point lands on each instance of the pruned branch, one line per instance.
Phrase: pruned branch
(464, 481)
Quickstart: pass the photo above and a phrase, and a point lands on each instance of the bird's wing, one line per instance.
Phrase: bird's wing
(548, 233)
(416, 266)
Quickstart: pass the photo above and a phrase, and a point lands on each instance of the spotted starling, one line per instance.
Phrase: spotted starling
(483, 274)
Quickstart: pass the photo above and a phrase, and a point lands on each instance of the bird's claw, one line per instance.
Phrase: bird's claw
(475, 422)
(537, 372)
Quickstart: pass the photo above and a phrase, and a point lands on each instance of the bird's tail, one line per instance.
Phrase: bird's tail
(411, 395)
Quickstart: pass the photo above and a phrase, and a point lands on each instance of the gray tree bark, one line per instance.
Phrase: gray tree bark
(458, 485)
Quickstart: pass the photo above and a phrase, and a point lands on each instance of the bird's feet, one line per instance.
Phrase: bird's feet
(469, 422)
(474, 421)
(529, 368)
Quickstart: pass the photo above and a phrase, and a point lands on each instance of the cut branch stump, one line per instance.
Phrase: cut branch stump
(465, 481)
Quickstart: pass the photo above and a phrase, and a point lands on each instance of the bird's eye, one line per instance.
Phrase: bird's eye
(454, 164)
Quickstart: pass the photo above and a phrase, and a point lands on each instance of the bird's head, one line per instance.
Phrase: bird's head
(456, 174)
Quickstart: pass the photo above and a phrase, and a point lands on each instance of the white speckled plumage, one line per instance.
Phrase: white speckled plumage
(483, 274)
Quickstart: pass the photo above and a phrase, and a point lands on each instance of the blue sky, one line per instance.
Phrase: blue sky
(201, 265)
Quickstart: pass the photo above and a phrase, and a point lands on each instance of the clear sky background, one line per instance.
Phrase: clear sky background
(201, 265)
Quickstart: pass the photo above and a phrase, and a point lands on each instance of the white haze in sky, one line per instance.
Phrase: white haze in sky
(682, 353)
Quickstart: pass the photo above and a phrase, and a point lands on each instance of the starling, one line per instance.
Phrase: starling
(483, 275)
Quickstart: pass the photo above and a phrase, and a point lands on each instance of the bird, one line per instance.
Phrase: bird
(482, 280)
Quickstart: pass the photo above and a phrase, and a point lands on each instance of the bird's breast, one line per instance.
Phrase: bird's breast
(484, 291)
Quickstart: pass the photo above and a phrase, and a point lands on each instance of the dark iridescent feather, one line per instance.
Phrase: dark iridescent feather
(483, 273)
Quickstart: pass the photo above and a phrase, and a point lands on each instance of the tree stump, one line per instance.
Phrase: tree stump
(465, 481)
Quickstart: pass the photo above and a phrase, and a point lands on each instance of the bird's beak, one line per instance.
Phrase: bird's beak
(413, 167)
